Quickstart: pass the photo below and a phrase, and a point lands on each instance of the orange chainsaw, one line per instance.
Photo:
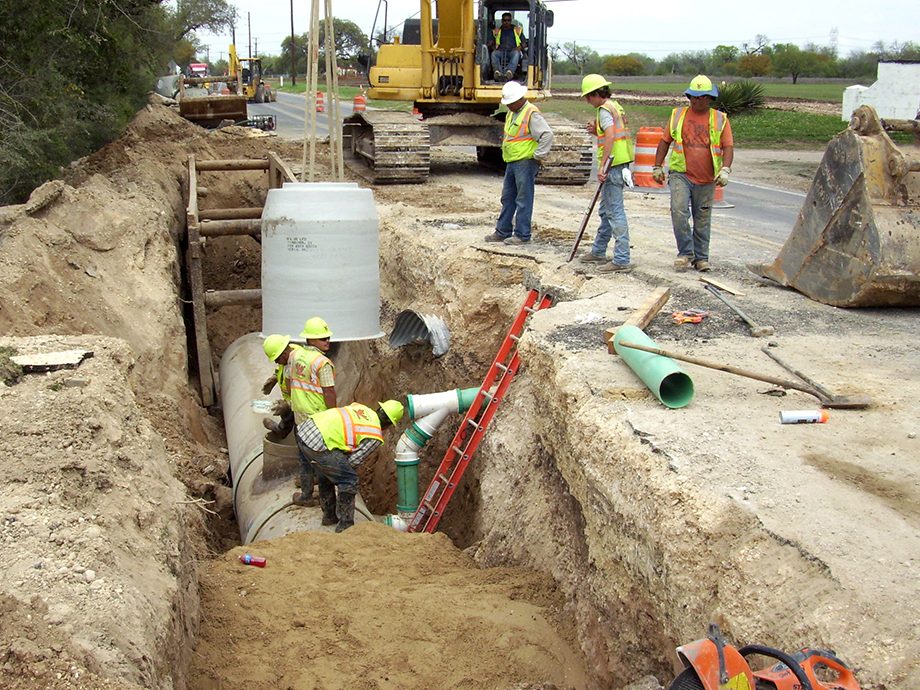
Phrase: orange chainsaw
(713, 664)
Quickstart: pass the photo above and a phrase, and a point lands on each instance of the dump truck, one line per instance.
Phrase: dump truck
(856, 242)
(443, 67)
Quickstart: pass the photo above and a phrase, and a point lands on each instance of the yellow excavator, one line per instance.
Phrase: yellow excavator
(442, 65)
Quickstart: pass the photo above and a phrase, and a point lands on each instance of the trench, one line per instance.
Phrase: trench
(515, 506)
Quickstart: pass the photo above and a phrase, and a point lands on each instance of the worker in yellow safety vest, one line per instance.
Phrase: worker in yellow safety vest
(701, 159)
(615, 152)
(527, 142)
(336, 442)
(278, 349)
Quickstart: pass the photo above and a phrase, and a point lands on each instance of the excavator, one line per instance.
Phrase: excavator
(442, 65)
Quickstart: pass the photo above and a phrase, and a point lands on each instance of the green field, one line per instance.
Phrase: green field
(760, 129)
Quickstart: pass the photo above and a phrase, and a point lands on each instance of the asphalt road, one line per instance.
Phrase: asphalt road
(290, 111)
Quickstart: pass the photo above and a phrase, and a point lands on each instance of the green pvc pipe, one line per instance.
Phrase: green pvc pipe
(670, 384)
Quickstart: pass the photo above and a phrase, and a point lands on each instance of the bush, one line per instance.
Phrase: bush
(739, 96)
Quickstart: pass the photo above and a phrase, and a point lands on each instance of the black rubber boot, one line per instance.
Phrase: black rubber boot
(327, 503)
(345, 508)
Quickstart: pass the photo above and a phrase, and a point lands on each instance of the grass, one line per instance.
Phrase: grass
(828, 92)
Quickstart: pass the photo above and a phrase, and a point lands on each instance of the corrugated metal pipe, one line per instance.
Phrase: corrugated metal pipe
(427, 412)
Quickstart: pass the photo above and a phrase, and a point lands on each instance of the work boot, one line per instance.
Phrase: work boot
(682, 262)
(589, 258)
(703, 266)
(327, 503)
(345, 509)
(509, 75)
(495, 237)
(611, 267)
(498, 75)
(515, 240)
(300, 499)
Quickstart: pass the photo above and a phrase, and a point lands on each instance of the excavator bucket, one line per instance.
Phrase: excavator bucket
(856, 242)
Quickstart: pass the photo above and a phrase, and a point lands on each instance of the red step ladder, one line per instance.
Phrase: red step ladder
(476, 421)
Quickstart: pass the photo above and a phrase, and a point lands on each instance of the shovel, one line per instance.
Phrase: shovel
(843, 402)
(859, 400)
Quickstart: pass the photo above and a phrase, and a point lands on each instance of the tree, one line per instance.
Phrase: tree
(213, 16)
(792, 60)
(579, 56)
(754, 65)
(350, 41)
(623, 65)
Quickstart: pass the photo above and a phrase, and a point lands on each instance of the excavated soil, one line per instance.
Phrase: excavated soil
(598, 528)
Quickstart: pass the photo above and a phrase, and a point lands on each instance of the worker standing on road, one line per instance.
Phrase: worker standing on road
(527, 142)
(701, 159)
(614, 147)
(337, 441)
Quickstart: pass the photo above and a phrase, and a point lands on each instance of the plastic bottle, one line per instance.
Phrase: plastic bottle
(803, 416)
(257, 561)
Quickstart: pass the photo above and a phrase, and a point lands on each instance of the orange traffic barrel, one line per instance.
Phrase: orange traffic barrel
(320, 106)
(360, 103)
(718, 201)
(646, 146)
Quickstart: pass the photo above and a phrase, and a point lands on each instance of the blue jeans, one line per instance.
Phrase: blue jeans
(517, 199)
(687, 198)
(613, 218)
(503, 60)
(332, 469)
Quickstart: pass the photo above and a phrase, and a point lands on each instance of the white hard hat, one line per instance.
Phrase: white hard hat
(513, 91)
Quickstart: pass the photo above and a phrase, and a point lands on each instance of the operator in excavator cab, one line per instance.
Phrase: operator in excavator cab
(507, 48)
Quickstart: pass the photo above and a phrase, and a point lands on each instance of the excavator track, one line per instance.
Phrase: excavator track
(571, 157)
(392, 146)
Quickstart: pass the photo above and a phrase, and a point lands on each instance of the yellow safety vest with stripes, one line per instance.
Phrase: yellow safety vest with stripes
(517, 36)
(623, 150)
(717, 121)
(283, 374)
(306, 392)
(345, 427)
(519, 143)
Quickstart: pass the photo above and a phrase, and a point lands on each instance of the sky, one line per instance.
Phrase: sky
(610, 28)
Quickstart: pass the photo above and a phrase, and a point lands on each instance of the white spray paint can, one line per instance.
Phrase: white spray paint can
(803, 416)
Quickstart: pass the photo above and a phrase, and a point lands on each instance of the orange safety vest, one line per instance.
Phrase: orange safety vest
(717, 122)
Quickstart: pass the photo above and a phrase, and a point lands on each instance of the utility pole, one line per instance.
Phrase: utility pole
(257, 48)
(293, 51)
(249, 22)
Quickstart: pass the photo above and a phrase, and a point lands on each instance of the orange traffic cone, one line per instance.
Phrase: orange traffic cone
(719, 200)
(320, 106)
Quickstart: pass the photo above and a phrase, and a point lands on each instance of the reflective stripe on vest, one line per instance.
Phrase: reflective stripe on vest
(497, 33)
(345, 427)
(519, 142)
(623, 150)
(306, 392)
(717, 120)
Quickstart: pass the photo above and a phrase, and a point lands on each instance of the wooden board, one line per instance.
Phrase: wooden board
(722, 286)
(642, 317)
(51, 361)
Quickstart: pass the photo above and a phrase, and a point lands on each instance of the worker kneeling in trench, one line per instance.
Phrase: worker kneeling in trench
(336, 442)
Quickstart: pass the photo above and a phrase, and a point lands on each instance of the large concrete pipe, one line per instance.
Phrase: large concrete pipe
(263, 472)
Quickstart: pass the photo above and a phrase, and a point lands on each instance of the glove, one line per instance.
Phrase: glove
(722, 177)
(281, 407)
(269, 384)
(658, 174)
(627, 177)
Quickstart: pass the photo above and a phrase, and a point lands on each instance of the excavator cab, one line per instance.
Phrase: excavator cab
(532, 19)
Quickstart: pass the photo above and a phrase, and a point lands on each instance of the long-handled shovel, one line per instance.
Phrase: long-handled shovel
(833, 401)
(584, 222)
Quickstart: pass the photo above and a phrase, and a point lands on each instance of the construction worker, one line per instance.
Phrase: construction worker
(278, 349)
(701, 159)
(527, 142)
(507, 46)
(614, 148)
(337, 441)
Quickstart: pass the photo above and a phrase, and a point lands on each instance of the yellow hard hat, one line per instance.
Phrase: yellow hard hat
(274, 345)
(592, 82)
(315, 329)
(394, 410)
(701, 86)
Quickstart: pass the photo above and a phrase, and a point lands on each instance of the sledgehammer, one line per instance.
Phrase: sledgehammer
(756, 331)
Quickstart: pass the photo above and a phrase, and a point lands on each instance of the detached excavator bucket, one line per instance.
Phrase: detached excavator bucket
(856, 242)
